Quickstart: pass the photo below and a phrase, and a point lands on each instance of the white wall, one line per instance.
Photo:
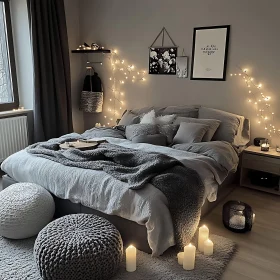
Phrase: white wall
(23, 53)
(131, 26)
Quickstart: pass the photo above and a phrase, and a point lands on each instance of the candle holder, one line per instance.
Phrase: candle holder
(264, 145)
(238, 216)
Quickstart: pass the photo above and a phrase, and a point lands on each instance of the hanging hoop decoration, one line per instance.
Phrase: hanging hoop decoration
(162, 60)
(182, 65)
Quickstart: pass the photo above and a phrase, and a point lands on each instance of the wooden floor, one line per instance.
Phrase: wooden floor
(258, 256)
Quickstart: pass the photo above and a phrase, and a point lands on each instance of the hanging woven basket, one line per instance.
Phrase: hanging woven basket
(91, 102)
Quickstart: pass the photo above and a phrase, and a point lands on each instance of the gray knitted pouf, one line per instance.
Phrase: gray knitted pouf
(25, 208)
(80, 246)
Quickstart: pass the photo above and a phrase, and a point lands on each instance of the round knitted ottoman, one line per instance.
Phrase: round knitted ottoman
(79, 246)
(25, 209)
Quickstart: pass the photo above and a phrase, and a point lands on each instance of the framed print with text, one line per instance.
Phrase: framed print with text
(209, 53)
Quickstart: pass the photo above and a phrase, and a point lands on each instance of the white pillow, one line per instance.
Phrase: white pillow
(167, 119)
(149, 118)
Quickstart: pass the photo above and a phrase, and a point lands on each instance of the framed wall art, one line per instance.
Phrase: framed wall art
(209, 53)
(162, 60)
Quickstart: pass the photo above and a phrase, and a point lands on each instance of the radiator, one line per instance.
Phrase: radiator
(13, 136)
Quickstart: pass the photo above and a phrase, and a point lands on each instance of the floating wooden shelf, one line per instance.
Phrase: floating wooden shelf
(91, 51)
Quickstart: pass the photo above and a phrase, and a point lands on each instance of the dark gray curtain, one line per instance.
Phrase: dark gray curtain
(52, 112)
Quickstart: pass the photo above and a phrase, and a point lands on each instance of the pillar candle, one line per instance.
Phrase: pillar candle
(208, 247)
(202, 237)
(189, 257)
(130, 258)
(180, 257)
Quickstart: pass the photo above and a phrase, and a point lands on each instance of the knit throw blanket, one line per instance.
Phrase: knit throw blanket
(182, 186)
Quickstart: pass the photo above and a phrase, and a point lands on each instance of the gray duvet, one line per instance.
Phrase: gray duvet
(147, 206)
(181, 185)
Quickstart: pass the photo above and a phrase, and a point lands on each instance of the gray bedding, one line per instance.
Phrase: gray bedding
(181, 185)
(146, 206)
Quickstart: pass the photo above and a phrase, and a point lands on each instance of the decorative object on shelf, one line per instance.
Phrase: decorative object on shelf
(182, 65)
(91, 100)
(264, 145)
(257, 141)
(237, 216)
(203, 235)
(259, 100)
(162, 60)
(85, 46)
(277, 148)
(130, 258)
(209, 54)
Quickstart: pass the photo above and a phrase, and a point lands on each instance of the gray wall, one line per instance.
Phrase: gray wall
(131, 26)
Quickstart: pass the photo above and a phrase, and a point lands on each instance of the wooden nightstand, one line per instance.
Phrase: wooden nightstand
(254, 159)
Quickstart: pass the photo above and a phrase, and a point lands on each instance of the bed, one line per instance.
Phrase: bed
(142, 216)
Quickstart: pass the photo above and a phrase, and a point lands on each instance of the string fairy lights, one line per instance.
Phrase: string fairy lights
(260, 101)
(122, 72)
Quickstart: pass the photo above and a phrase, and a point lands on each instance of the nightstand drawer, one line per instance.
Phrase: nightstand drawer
(261, 163)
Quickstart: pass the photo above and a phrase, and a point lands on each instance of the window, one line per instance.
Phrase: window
(8, 81)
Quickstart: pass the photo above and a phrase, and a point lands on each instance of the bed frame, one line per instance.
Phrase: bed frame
(131, 232)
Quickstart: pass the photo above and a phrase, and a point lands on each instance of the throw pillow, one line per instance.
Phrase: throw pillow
(134, 130)
(190, 133)
(169, 130)
(155, 139)
(213, 126)
(149, 118)
(229, 123)
(167, 119)
(129, 118)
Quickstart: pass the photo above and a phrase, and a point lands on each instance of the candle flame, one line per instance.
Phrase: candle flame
(190, 244)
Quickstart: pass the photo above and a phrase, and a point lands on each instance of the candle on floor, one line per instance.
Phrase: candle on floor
(130, 258)
(203, 235)
(189, 257)
(180, 257)
(254, 216)
(208, 247)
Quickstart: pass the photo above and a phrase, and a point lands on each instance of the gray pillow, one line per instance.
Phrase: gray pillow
(129, 118)
(134, 130)
(213, 126)
(169, 130)
(229, 123)
(155, 139)
(182, 111)
(190, 133)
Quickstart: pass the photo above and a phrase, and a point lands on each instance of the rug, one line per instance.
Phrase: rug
(17, 263)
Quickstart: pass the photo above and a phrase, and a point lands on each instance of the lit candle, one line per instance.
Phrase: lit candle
(202, 237)
(208, 247)
(180, 257)
(189, 257)
(130, 258)
(254, 216)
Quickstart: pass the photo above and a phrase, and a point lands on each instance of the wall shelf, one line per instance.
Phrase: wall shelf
(92, 51)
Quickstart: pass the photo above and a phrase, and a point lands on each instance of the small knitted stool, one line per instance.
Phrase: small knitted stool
(79, 246)
(25, 209)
